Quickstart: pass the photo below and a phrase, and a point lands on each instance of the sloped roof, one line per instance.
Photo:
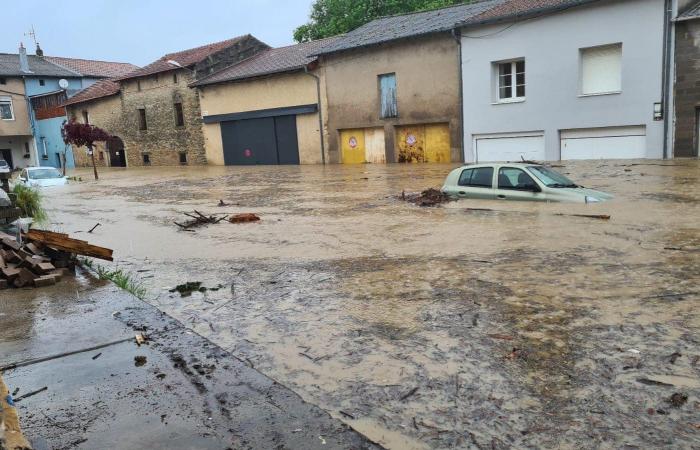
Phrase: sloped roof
(274, 60)
(690, 14)
(402, 26)
(185, 58)
(521, 9)
(100, 89)
(91, 68)
(40, 67)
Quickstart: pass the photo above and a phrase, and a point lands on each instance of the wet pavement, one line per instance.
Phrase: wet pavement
(71, 351)
(432, 327)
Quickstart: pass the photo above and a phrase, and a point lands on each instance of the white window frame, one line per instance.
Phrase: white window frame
(6, 99)
(581, 53)
(514, 98)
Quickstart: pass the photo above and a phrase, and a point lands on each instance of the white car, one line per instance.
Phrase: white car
(4, 167)
(42, 177)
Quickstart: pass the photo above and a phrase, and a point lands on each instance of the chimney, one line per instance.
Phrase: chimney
(23, 60)
(39, 51)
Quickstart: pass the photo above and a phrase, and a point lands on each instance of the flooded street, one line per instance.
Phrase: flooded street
(517, 326)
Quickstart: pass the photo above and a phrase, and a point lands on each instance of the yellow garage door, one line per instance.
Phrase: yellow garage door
(352, 145)
(423, 143)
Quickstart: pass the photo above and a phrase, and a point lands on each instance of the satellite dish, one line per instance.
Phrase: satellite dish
(63, 83)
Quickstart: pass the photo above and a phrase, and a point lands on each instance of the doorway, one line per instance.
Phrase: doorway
(117, 156)
(6, 154)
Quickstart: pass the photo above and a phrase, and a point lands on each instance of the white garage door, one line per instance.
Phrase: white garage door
(604, 143)
(509, 148)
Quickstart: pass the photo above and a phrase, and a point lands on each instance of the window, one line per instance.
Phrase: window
(6, 111)
(511, 81)
(183, 158)
(601, 70)
(146, 159)
(3, 81)
(26, 150)
(42, 83)
(387, 96)
(175, 77)
(86, 117)
(138, 85)
(517, 179)
(143, 125)
(179, 116)
(479, 177)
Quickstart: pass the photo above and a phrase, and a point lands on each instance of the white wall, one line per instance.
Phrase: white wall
(550, 46)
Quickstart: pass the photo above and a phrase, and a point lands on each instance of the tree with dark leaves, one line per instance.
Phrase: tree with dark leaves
(84, 135)
(333, 17)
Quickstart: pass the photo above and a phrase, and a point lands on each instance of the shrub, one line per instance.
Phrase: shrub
(29, 201)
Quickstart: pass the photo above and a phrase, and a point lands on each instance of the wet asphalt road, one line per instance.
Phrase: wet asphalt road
(178, 392)
(477, 324)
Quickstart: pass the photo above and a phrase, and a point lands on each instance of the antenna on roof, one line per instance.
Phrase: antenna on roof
(32, 34)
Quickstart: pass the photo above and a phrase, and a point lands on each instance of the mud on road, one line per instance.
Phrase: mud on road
(433, 327)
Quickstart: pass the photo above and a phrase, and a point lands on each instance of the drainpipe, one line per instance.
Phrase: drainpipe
(320, 112)
(666, 75)
(457, 36)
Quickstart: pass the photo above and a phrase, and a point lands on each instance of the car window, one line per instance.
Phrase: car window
(513, 178)
(44, 174)
(550, 177)
(477, 177)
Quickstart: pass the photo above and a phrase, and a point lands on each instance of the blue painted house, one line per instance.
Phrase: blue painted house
(48, 82)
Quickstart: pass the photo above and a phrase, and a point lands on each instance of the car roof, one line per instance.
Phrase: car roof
(40, 168)
(499, 164)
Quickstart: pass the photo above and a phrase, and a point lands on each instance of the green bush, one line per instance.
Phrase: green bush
(29, 201)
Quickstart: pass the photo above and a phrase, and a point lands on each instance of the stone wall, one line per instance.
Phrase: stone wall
(687, 88)
(104, 113)
(243, 49)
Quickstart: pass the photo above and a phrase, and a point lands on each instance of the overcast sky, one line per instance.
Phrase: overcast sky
(141, 31)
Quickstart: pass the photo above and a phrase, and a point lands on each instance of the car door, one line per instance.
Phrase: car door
(514, 183)
(476, 183)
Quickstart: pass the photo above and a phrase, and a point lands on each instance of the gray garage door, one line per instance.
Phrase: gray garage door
(268, 140)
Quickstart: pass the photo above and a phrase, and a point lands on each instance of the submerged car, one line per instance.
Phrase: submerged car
(42, 177)
(4, 167)
(517, 181)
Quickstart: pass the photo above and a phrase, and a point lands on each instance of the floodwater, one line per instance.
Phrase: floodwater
(432, 327)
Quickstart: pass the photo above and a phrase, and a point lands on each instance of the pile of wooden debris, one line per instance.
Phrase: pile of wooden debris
(43, 258)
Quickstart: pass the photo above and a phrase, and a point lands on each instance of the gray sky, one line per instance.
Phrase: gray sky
(140, 31)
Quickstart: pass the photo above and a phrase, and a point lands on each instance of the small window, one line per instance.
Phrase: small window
(601, 70)
(179, 116)
(138, 85)
(26, 149)
(3, 81)
(175, 77)
(511, 81)
(86, 117)
(183, 158)
(146, 159)
(6, 110)
(516, 179)
(479, 177)
(143, 125)
(42, 83)
(387, 96)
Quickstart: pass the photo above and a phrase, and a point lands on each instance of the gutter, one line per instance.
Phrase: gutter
(458, 37)
(666, 74)
(320, 112)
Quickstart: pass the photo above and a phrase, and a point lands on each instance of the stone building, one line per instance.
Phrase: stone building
(686, 137)
(153, 114)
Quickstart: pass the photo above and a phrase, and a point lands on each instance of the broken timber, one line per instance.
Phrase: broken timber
(62, 242)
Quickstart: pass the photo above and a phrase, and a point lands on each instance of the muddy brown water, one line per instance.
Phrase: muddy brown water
(432, 327)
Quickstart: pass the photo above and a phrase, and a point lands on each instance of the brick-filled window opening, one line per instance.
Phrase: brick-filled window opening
(86, 117)
(179, 116)
(147, 160)
(183, 158)
(143, 125)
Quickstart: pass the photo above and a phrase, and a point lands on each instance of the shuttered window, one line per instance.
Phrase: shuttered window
(601, 69)
(387, 96)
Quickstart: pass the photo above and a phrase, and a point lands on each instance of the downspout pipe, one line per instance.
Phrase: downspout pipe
(457, 35)
(666, 75)
(320, 112)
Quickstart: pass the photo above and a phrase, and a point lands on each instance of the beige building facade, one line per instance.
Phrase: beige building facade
(16, 141)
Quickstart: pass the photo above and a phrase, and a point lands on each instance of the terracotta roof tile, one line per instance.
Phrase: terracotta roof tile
(514, 9)
(185, 58)
(87, 67)
(103, 88)
(274, 60)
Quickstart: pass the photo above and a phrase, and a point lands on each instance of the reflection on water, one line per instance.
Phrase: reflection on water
(433, 327)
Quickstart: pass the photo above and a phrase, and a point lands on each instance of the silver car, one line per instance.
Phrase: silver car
(517, 181)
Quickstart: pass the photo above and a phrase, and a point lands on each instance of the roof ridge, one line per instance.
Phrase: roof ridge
(465, 3)
(58, 65)
(206, 45)
(259, 54)
(90, 60)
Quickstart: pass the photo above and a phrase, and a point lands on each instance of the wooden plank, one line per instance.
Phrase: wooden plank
(63, 242)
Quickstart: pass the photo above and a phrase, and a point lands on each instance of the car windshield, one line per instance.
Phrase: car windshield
(44, 174)
(551, 178)
(3, 163)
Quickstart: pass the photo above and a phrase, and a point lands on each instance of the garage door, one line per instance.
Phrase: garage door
(604, 143)
(509, 148)
(362, 145)
(269, 140)
(423, 143)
